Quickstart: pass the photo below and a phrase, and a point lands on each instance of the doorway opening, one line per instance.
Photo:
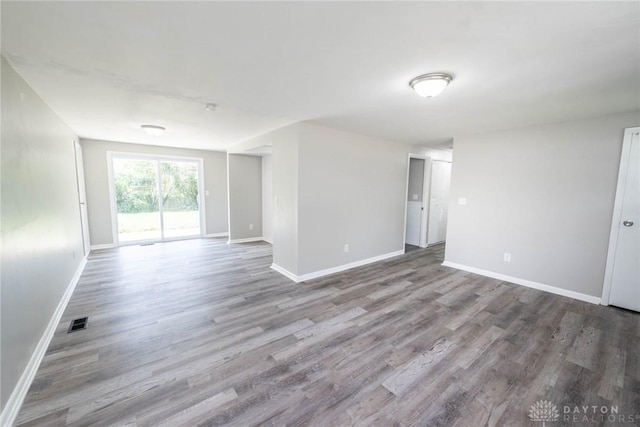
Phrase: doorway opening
(427, 199)
(416, 219)
(155, 198)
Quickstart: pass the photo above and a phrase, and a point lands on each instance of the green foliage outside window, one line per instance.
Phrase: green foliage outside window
(135, 185)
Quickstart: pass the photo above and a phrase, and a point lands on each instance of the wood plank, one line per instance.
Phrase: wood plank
(203, 333)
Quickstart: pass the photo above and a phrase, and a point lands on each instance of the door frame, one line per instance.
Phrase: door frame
(82, 197)
(426, 175)
(158, 158)
(617, 212)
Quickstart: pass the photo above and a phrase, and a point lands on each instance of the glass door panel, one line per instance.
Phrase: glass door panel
(136, 191)
(179, 189)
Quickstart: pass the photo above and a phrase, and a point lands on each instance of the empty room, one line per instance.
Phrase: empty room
(320, 213)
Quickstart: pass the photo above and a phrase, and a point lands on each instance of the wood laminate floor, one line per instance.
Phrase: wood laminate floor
(204, 333)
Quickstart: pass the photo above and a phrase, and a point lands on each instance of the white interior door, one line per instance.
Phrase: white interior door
(82, 197)
(414, 216)
(624, 250)
(438, 201)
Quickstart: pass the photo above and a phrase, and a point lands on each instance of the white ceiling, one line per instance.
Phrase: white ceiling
(108, 67)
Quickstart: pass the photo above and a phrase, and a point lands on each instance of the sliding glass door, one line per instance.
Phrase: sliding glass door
(181, 213)
(156, 198)
(136, 190)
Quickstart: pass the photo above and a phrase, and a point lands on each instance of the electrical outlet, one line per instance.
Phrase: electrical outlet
(206, 193)
(250, 226)
(415, 197)
(507, 257)
(346, 247)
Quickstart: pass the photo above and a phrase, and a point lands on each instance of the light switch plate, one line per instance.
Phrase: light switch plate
(462, 201)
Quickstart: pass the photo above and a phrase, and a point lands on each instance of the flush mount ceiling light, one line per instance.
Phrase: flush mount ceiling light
(153, 130)
(430, 85)
(210, 107)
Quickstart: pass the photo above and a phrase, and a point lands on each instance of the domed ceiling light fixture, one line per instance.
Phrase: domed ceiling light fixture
(430, 85)
(153, 130)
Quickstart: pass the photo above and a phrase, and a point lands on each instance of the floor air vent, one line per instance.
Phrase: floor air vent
(146, 244)
(78, 324)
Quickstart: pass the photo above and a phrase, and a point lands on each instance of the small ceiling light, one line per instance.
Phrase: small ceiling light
(210, 107)
(430, 85)
(153, 130)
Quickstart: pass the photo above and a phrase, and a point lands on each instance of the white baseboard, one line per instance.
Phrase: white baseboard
(248, 239)
(285, 272)
(105, 246)
(12, 408)
(528, 283)
(225, 234)
(332, 270)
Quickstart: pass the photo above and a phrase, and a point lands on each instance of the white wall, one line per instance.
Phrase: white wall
(352, 190)
(544, 194)
(285, 196)
(41, 228)
(245, 196)
(332, 188)
(267, 198)
(97, 183)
